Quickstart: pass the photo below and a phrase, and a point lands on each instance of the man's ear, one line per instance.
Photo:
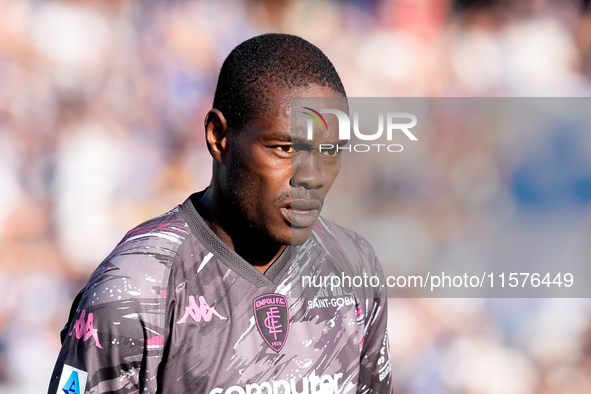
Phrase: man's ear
(216, 134)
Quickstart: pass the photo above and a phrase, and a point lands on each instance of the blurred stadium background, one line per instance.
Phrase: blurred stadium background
(101, 108)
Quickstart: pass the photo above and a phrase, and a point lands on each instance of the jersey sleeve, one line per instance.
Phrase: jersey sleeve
(375, 374)
(115, 336)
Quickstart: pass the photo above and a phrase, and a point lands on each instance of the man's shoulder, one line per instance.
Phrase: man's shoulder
(145, 253)
(160, 232)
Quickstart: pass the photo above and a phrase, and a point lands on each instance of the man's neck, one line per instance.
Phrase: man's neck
(249, 244)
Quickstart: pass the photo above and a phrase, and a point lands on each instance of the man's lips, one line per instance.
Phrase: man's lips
(301, 213)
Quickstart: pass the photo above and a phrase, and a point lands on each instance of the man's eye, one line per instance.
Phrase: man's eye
(329, 152)
(285, 148)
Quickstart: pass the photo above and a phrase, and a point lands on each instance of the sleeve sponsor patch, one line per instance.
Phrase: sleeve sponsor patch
(72, 381)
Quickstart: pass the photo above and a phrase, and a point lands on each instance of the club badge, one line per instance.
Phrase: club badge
(272, 317)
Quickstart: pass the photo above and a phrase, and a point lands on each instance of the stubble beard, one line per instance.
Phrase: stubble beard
(238, 194)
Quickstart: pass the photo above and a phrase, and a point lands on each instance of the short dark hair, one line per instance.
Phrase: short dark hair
(253, 66)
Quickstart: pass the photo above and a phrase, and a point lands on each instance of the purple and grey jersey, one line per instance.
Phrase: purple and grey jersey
(174, 310)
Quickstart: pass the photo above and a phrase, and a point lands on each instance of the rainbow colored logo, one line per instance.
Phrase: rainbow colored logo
(315, 118)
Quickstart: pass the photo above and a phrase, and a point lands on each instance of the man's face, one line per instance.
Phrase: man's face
(276, 177)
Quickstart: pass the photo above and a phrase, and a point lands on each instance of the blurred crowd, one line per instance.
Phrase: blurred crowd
(101, 110)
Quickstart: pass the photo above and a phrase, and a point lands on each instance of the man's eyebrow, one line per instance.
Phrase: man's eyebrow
(279, 136)
(287, 137)
(298, 139)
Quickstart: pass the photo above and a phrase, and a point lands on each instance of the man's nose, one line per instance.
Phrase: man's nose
(308, 172)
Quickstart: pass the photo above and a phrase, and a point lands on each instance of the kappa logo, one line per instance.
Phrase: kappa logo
(272, 318)
(85, 329)
(198, 312)
(73, 380)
